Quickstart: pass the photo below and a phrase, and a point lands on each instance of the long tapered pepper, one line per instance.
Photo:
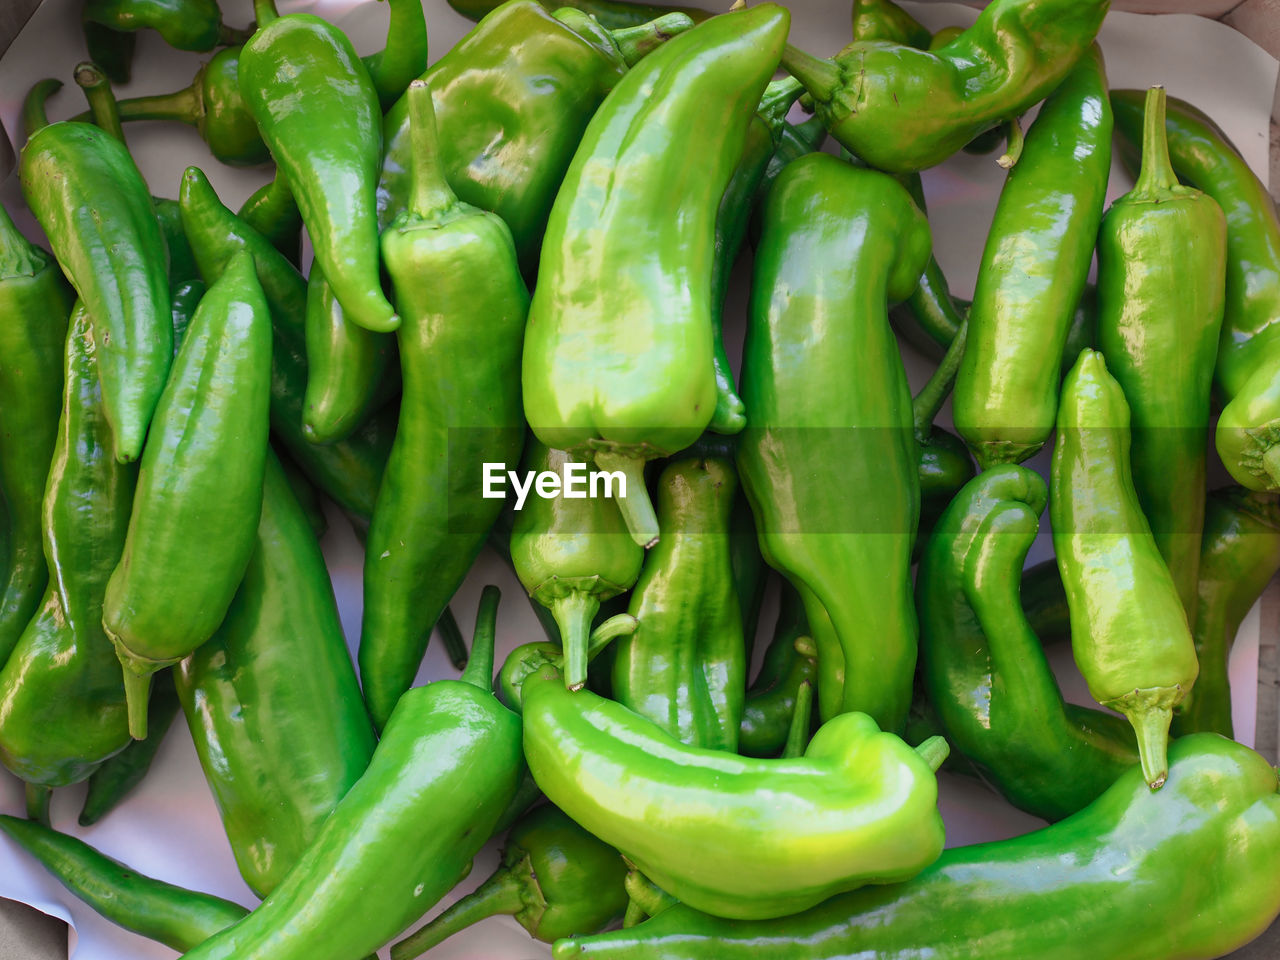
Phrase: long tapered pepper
(601, 292)
(830, 465)
(1129, 634)
(458, 287)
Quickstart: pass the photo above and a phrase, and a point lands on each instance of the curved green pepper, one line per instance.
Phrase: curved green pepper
(449, 759)
(458, 288)
(602, 296)
(1162, 254)
(735, 836)
(885, 20)
(184, 24)
(199, 494)
(1034, 269)
(317, 109)
(272, 212)
(901, 109)
(62, 705)
(35, 302)
(829, 462)
(1099, 884)
(556, 880)
(85, 190)
(771, 700)
(272, 699)
(1129, 633)
(685, 667)
(984, 669)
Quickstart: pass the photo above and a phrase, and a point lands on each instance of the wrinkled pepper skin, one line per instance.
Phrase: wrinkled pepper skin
(901, 109)
(184, 24)
(62, 704)
(199, 492)
(318, 111)
(612, 14)
(571, 554)
(450, 758)
(85, 190)
(272, 699)
(459, 290)
(1162, 254)
(984, 669)
(180, 919)
(771, 699)
(1098, 883)
(1239, 554)
(1129, 634)
(1033, 272)
(830, 464)
(556, 879)
(685, 667)
(734, 836)
(603, 297)
(35, 302)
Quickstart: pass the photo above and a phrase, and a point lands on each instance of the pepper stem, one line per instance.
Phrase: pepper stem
(1151, 724)
(1156, 177)
(479, 671)
(777, 100)
(634, 916)
(34, 114)
(636, 43)
(182, 106)
(637, 508)
(137, 691)
(499, 894)
(235, 36)
(1013, 149)
(451, 636)
(574, 613)
(431, 194)
(622, 625)
(102, 104)
(798, 732)
(933, 752)
(927, 403)
(264, 11)
(38, 798)
(646, 894)
(404, 56)
(820, 77)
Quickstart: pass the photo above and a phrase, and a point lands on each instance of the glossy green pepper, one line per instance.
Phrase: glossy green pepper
(449, 757)
(984, 669)
(272, 699)
(901, 109)
(317, 109)
(1162, 253)
(885, 20)
(601, 294)
(556, 879)
(612, 14)
(685, 667)
(62, 705)
(459, 290)
(272, 212)
(85, 190)
(1129, 634)
(199, 494)
(1100, 882)
(830, 463)
(788, 663)
(184, 24)
(735, 836)
(35, 302)
(1033, 272)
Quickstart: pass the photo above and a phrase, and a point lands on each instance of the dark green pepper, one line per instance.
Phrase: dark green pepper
(788, 663)
(612, 14)
(272, 212)
(556, 879)
(184, 24)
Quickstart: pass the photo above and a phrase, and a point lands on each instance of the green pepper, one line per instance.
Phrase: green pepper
(1129, 634)
(272, 212)
(884, 20)
(772, 699)
(404, 57)
(734, 836)
(685, 667)
(178, 918)
(184, 24)
(199, 494)
(1162, 254)
(1044, 602)
(984, 670)
(571, 554)
(449, 761)
(110, 49)
(310, 500)
(62, 706)
(1034, 269)
(458, 287)
(556, 880)
(901, 109)
(601, 295)
(272, 699)
(35, 302)
(1239, 554)
(612, 14)
(85, 190)
(317, 110)
(1101, 883)
(829, 461)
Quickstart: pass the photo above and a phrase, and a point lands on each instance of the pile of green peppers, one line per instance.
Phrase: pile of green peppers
(521, 260)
